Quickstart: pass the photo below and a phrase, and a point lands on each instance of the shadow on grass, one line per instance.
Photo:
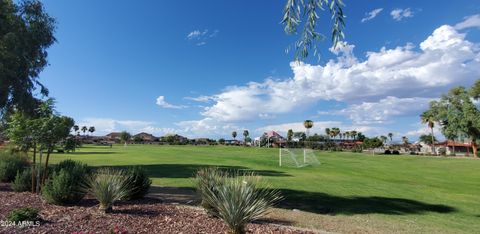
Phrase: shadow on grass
(89, 152)
(189, 170)
(323, 203)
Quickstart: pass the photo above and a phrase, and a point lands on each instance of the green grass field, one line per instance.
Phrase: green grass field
(383, 193)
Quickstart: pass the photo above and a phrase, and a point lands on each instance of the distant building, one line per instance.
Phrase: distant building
(174, 139)
(114, 136)
(146, 137)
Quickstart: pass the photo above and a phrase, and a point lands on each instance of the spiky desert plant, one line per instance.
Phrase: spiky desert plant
(207, 179)
(107, 186)
(241, 199)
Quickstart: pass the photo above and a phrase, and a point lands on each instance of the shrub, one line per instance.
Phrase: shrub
(207, 179)
(67, 183)
(10, 164)
(108, 186)
(138, 182)
(240, 200)
(387, 152)
(23, 214)
(23, 181)
(396, 152)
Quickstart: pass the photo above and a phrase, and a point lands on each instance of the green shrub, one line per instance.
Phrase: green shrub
(23, 181)
(206, 181)
(66, 185)
(23, 214)
(107, 186)
(10, 164)
(240, 200)
(138, 181)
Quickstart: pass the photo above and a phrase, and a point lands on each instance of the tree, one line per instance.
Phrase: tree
(234, 135)
(84, 129)
(429, 119)
(390, 135)
(354, 134)
(334, 132)
(427, 139)
(245, 136)
(289, 135)
(75, 128)
(384, 139)
(125, 137)
(26, 32)
(306, 12)
(307, 124)
(372, 143)
(458, 115)
(405, 140)
(91, 130)
(327, 132)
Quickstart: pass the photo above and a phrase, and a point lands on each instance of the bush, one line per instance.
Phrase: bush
(10, 164)
(23, 181)
(206, 181)
(240, 200)
(387, 152)
(138, 181)
(396, 152)
(108, 186)
(23, 214)
(67, 183)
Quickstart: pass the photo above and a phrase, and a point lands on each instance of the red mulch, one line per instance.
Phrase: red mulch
(144, 216)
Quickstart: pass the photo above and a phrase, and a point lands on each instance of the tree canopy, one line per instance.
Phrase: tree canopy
(26, 32)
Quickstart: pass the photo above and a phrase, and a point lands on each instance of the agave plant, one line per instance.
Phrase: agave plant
(207, 179)
(241, 199)
(107, 186)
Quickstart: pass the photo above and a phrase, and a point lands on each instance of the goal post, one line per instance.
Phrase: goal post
(296, 157)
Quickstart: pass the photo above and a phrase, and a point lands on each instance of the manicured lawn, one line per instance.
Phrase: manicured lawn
(383, 193)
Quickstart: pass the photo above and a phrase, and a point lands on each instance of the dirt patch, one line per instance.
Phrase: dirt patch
(149, 215)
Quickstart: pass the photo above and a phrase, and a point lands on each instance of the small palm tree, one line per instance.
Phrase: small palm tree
(347, 135)
(75, 128)
(428, 119)
(91, 130)
(289, 134)
(354, 134)
(84, 129)
(384, 139)
(390, 135)
(234, 135)
(307, 124)
(245, 135)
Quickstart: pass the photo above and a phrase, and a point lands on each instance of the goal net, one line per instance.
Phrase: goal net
(289, 157)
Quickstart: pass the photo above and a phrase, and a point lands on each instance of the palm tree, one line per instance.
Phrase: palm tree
(390, 135)
(405, 140)
(327, 131)
(91, 129)
(335, 131)
(75, 128)
(84, 129)
(428, 119)
(384, 139)
(354, 134)
(289, 134)
(234, 135)
(245, 135)
(347, 134)
(307, 124)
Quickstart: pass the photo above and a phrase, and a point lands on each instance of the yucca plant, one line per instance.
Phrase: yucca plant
(207, 179)
(107, 186)
(240, 199)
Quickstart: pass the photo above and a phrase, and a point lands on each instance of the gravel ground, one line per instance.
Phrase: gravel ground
(148, 215)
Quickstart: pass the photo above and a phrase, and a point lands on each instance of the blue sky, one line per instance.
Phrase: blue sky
(206, 68)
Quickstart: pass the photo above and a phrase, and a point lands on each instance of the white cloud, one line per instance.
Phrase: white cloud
(383, 110)
(319, 128)
(398, 14)
(201, 36)
(422, 130)
(443, 60)
(372, 14)
(104, 126)
(162, 103)
(206, 127)
(472, 21)
(202, 98)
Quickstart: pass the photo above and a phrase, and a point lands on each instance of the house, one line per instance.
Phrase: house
(114, 136)
(450, 147)
(274, 139)
(146, 137)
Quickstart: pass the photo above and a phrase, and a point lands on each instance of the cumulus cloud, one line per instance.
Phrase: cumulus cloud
(399, 13)
(372, 14)
(202, 98)
(206, 127)
(442, 60)
(164, 104)
(472, 21)
(382, 111)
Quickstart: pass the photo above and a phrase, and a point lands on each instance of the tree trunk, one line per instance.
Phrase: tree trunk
(46, 167)
(34, 166)
(433, 143)
(38, 173)
(474, 147)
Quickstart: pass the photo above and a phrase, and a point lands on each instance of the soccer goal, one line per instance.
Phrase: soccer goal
(293, 157)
